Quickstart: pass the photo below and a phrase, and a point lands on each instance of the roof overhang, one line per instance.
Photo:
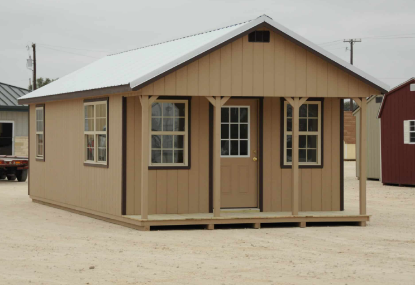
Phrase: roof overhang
(220, 41)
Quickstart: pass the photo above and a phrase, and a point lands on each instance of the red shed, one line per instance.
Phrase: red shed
(397, 120)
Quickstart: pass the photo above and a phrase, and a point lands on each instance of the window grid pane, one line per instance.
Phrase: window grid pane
(235, 131)
(308, 133)
(95, 130)
(168, 132)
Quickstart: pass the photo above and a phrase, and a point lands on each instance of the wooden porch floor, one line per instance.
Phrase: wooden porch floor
(255, 218)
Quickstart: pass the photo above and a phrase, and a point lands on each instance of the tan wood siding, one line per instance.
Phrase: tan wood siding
(319, 187)
(279, 68)
(170, 191)
(373, 140)
(62, 177)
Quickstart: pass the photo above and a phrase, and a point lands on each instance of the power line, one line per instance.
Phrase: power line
(96, 50)
(398, 36)
(70, 52)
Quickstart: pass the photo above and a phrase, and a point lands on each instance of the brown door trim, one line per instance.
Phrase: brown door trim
(260, 152)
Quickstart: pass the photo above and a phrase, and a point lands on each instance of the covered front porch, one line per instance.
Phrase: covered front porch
(218, 215)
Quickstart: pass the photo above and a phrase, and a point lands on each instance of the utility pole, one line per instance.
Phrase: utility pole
(34, 66)
(351, 41)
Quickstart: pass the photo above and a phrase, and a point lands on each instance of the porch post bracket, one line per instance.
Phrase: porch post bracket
(212, 100)
(290, 100)
(302, 100)
(358, 101)
(224, 100)
(152, 99)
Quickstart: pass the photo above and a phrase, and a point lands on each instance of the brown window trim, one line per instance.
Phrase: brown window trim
(282, 136)
(44, 132)
(189, 125)
(88, 164)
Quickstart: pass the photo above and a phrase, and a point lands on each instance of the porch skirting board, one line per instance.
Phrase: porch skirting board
(118, 220)
(255, 218)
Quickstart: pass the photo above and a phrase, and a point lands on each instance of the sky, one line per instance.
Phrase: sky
(70, 34)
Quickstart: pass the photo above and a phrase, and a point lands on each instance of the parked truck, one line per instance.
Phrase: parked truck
(14, 167)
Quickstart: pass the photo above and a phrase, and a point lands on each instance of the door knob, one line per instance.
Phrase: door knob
(255, 159)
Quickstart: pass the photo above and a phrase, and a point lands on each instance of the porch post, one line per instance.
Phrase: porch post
(363, 158)
(216, 156)
(144, 155)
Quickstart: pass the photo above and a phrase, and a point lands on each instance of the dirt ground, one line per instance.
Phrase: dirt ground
(43, 245)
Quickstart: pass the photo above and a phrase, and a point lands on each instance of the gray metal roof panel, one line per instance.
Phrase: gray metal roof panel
(9, 94)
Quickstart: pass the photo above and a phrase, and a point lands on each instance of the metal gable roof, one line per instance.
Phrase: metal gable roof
(9, 95)
(136, 67)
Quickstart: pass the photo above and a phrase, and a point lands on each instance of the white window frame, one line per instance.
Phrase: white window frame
(39, 156)
(11, 122)
(407, 130)
(96, 133)
(239, 134)
(318, 133)
(185, 133)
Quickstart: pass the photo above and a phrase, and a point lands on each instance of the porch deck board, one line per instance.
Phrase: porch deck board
(248, 217)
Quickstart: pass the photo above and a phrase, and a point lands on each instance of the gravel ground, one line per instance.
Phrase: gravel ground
(43, 245)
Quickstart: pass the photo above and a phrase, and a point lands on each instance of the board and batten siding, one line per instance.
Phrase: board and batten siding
(170, 191)
(187, 191)
(62, 177)
(373, 140)
(279, 68)
(20, 120)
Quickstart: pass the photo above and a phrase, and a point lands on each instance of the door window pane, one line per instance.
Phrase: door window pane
(243, 147)
(243, 131)
(243, 115)
(234, 115)
(234, 147)
(224, 147)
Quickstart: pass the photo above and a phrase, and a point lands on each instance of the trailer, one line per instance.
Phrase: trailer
(14, 167)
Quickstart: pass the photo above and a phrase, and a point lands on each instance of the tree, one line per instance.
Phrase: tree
(41, 82)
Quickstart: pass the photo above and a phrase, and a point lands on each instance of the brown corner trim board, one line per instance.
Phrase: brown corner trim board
(108, 133)
(189, 134)
(260, 152)
(341, 155)
(282, 136)
(124, 158)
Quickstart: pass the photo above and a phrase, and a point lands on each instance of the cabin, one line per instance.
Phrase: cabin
(397, 132)
(373, 138)
(14, 120)
(238, 125)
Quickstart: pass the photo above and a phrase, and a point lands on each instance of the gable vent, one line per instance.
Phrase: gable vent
(259, 37)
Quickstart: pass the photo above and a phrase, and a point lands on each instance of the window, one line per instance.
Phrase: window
(96, 131)
(309, 141)
(40, 132)
(409, 132)
(169, 133)
(235, 131)
(259, 37)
